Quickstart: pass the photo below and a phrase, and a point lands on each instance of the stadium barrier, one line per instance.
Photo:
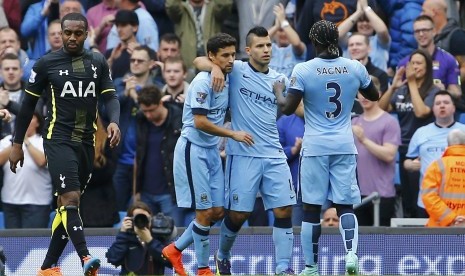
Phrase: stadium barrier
(382, 251)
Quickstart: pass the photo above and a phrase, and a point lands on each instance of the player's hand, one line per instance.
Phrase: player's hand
(5, 115)
(16, 155)
(278, 87)
(126, 224)
(217, 79)
(242, 136)
(415, 165)
(114, 134)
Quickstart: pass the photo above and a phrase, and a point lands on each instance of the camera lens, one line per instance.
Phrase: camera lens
(141, 221)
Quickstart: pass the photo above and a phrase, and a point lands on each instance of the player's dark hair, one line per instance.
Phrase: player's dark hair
(74, 16)
(175, 60)
(151, 53)
(219, 41)
(444, 92)
(138, 205)
(255, 31)
(428, 78)
(171, 38)
(149, 95)
(325, 35)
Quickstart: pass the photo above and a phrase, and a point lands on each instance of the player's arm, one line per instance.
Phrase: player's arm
(370, 92)
(202, 123)
(289, 103)
(217, 76)
(112, 106)
(23, 120)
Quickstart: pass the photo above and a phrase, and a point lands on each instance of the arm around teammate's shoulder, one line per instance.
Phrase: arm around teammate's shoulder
(217, 76)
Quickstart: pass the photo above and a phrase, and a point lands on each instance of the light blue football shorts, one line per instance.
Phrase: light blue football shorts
(245, 176)
(198, 176)
(329, 177)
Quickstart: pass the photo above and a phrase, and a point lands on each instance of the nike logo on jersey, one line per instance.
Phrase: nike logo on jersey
(245, 76)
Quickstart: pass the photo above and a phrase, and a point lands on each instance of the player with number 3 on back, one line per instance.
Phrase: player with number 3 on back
(328, 85)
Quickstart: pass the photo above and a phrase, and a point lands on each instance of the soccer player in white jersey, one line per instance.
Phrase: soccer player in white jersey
(262, 167)
(328, 85)
(198, 172)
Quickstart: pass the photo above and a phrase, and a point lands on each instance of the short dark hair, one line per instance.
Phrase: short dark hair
(255, 31)
(138, 205)
(151, 53)
(424, 17)
(74, 16)
(171, 38)
(124, 17)
(444, 92)
(176, 59)
(149, 95)
(219, 41)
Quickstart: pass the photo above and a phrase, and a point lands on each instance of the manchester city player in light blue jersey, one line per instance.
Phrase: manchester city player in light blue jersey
(328, 85)
(198, 172)
(262, 167)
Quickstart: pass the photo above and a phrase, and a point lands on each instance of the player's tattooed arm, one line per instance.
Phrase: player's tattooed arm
(289, 103)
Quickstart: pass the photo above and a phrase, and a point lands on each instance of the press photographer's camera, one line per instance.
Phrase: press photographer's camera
(162, 226)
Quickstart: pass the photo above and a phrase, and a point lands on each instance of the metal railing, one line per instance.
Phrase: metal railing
(376, 200)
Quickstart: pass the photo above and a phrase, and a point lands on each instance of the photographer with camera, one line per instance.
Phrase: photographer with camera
(138, 245)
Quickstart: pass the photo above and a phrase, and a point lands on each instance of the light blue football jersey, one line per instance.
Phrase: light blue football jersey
(254, 110)
(201, 99)
(329, 87)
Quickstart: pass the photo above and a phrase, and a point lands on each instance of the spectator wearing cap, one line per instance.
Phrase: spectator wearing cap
(127, 25)
(147, 33)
